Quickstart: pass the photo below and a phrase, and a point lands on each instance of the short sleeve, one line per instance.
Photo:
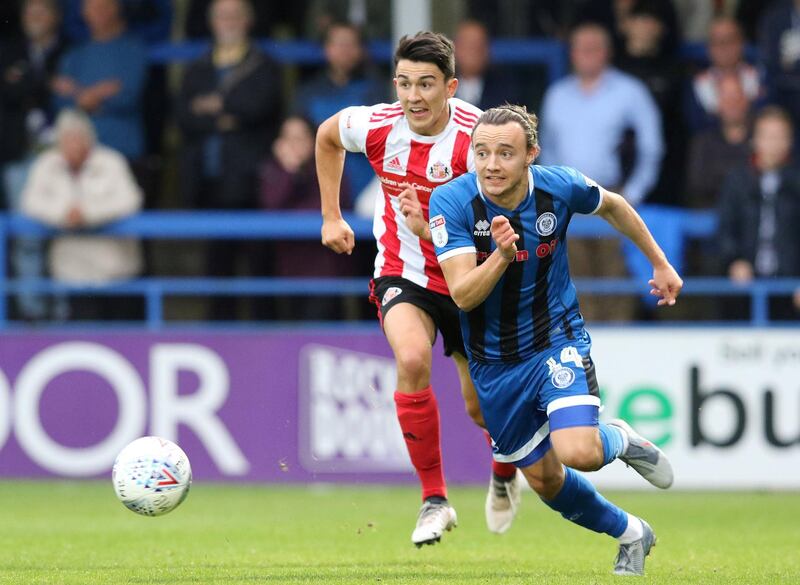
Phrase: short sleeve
(353, 127)
(450, 227)
(586, 194)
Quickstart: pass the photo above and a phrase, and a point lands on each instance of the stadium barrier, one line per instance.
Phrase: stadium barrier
(505, 51)
(551, 54)
(671, 227)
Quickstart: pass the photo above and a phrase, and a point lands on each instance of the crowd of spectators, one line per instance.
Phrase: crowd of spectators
(671, 102)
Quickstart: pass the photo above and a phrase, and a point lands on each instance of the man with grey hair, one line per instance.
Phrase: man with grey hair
(79, 184)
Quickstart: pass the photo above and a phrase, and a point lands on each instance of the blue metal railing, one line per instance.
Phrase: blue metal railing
(546, 52)
(505, 51)
(305, 225)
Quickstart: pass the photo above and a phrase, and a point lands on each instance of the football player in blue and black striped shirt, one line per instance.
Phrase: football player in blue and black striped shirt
(500, 236)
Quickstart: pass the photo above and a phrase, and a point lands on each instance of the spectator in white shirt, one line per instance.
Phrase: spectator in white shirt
(80, 184)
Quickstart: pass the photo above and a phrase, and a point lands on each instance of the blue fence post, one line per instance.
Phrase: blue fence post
(759, 305)
(154, 306)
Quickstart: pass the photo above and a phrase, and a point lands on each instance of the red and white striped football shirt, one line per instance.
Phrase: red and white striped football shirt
(399, 155)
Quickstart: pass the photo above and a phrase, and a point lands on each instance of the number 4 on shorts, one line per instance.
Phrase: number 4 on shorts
(570, 354)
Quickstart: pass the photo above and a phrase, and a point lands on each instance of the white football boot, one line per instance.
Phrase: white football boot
(433, 520)
(502, 502)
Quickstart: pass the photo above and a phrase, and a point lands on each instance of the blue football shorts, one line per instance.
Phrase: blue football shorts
(522, 402)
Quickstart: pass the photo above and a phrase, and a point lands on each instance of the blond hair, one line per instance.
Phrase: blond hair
(506, 113)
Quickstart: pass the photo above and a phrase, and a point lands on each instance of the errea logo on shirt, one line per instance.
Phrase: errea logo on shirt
(481, 228)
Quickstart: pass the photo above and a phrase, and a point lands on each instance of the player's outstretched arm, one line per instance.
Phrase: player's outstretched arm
(330, 152)
(666, 284)
(469, 283)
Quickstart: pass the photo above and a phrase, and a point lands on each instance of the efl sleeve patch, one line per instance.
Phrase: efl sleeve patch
(438, 231)
(450, 229)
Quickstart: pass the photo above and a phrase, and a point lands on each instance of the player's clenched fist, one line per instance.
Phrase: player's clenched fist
(505, 237)
(338, 236)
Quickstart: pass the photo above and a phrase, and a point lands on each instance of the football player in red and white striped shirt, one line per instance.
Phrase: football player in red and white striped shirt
(419, 142)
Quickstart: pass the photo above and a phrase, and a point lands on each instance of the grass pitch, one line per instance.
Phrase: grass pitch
(77, 533)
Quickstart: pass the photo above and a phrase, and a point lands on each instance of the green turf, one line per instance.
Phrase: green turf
(77, 533)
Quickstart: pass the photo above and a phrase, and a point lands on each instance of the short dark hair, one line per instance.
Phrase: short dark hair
(512, 113)
(775, 113)
(428, 47)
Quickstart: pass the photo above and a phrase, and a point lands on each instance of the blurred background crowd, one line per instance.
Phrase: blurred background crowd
(683, 103)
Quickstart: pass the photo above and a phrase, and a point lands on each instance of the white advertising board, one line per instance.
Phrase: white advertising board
(723, 403)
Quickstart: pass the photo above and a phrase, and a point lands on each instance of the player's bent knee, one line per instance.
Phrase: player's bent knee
(414, 364)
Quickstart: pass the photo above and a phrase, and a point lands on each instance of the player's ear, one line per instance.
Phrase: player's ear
(452, 85)
(533, 154)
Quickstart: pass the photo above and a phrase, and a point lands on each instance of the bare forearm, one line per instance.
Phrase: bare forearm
(330, 168)
(472, 288)
(628, 222)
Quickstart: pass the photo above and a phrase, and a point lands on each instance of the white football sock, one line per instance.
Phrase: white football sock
(633, 532)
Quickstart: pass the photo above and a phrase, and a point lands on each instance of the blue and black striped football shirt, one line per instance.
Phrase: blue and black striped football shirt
(535, 296)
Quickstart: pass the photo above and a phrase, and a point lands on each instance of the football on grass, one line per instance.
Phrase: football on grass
(151, 476)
